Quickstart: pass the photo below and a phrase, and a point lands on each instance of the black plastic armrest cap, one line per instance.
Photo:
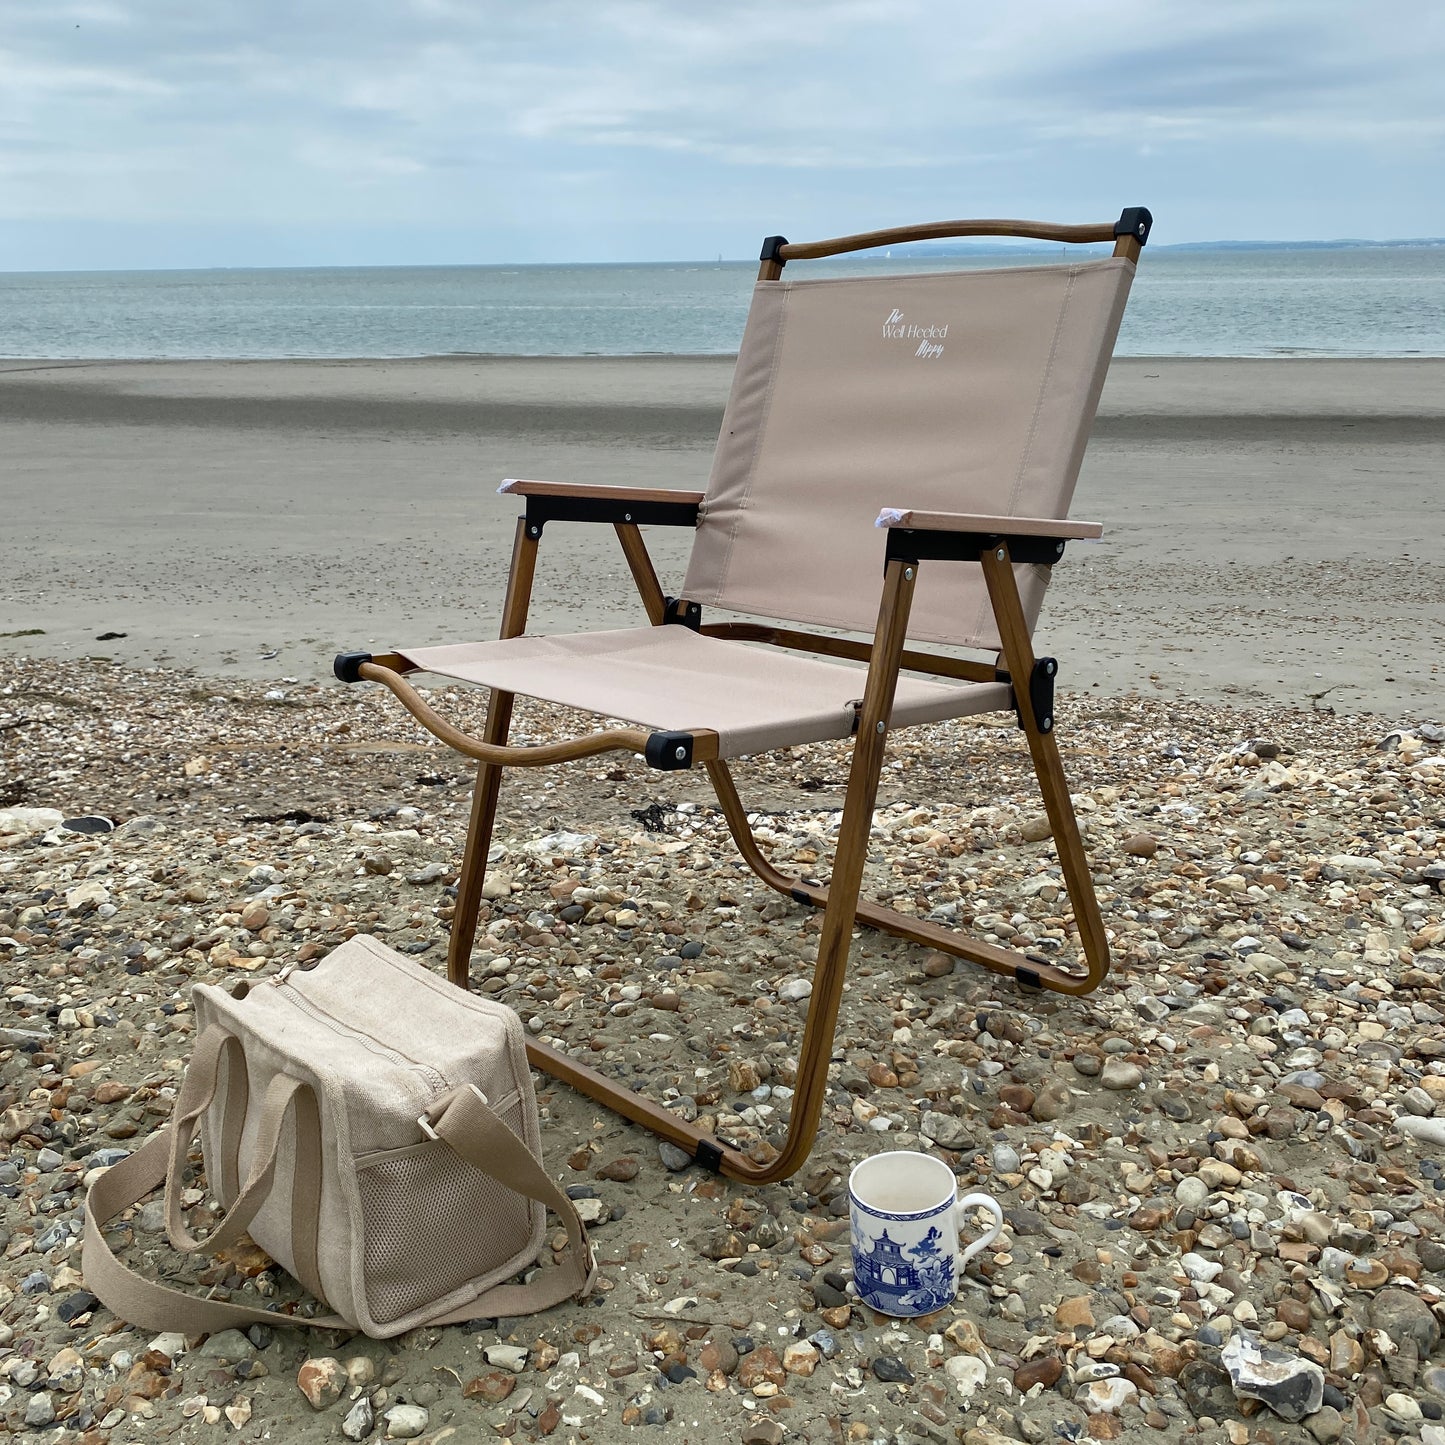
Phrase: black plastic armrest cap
(347, 666)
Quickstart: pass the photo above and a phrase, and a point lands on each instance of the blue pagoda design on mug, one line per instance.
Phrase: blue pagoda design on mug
(914, 1279)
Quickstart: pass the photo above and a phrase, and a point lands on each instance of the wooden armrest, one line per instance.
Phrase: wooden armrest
(518, 487)
(975, 525)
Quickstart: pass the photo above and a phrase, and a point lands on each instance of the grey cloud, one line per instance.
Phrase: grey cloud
(312, 111)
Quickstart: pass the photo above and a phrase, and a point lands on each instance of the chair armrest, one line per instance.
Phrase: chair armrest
(964, 536)
(992, 526)
(580, 502)
(519, 487)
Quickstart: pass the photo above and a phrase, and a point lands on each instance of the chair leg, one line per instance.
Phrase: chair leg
(485, 791)
(489, 776)
(1018, 654)
(1073, 862)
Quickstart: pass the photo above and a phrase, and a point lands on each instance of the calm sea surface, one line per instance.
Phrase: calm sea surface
(1234, 303)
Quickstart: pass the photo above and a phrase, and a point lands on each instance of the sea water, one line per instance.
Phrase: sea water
(1307, 302)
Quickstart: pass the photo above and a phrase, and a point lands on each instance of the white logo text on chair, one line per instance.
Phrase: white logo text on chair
(929, 338)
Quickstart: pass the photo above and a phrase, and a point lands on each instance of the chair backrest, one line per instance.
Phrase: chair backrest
(964, 391)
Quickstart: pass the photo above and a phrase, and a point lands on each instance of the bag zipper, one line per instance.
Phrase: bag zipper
(281, 980)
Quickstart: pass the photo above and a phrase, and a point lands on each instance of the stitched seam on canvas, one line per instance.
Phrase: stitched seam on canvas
(764, 411)
(985, 610)
(1043, 392)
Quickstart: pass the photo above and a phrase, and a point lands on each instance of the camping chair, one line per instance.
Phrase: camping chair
(948, 410)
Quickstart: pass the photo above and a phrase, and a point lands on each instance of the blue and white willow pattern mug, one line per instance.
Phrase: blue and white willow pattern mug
(905, 1214)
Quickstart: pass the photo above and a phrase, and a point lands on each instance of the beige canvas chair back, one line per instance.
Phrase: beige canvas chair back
(967, 391)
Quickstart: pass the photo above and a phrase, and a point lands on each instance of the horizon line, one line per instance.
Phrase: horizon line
(1004, 245)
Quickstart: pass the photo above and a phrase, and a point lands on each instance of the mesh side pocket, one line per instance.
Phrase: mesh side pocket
(432, 1223)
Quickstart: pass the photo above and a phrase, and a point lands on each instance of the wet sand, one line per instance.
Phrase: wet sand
(1271, 526)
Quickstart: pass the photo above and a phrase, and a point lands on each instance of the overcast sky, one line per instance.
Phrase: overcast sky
(140, 133)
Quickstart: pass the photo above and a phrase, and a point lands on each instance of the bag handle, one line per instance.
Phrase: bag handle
(138, 1300)
(161, 1161)
(462, 1119)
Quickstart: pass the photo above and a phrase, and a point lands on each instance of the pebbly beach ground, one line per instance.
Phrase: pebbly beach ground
(1232, 1145)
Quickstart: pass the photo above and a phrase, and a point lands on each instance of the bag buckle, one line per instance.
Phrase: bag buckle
(439, 1106)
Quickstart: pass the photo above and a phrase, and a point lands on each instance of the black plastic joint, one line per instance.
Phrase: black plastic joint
(1027, 978)
(683, 613)
(1041, 692)
(772, 249)
(347, 666)
(1134, 221)
(801, 895)
(709, 1155)
(669, 752)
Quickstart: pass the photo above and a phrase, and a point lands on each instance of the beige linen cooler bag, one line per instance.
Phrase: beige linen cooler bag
(374, 1130)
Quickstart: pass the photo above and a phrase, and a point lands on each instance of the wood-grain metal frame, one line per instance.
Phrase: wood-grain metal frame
(840, 898)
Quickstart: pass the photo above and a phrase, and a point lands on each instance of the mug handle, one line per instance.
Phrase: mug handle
(978, 1201)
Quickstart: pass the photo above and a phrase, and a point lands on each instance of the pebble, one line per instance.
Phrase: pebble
(1292, 1386)
(405, 1422)
(321, 1380)
(39, 1410)
(506, 1357)
(360, 1420)
(1192, 1192)
(1107, 1397)
(674, 1160)
(227, 1347)
(966, 1373)
(891, 1370)
(1403, 1408)
(1401, 1316)
(1005, 1159)
(1121, 1074)
(1326, 1424)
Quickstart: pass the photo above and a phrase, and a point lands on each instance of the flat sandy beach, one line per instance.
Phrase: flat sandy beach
(1272, 526)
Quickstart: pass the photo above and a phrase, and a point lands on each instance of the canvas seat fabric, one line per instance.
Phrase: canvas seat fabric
(673, 679)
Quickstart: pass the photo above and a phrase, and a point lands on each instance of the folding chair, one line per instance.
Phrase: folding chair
(950, 410)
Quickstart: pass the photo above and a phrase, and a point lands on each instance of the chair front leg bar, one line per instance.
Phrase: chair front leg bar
(1018, 653)
(847, 879)
(831, 966)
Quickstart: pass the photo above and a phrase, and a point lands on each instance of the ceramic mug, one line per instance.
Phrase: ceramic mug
(905, 1213)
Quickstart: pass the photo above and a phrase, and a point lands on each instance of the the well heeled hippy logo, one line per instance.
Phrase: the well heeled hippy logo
(929, 338)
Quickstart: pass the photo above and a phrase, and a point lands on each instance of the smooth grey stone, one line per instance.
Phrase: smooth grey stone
(229, 1347)
(673, 1158)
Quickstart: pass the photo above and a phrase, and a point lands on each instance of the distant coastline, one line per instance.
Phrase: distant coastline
(1020, 248)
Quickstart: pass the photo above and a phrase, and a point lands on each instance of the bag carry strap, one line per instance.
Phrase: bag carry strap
(475, 1133)
(463, 1119)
